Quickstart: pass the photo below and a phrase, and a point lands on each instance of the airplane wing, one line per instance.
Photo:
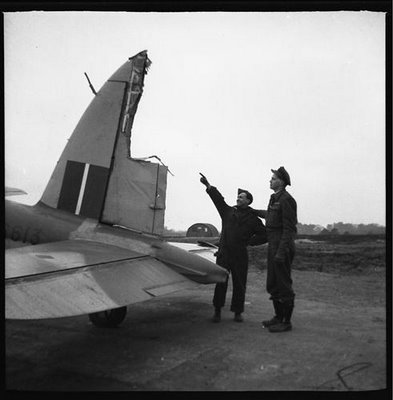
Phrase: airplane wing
(75, 277)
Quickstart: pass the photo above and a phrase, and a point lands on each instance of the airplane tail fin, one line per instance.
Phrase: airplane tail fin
(95, 176)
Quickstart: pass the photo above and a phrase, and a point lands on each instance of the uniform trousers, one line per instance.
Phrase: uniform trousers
(279, 281)
(236, 262)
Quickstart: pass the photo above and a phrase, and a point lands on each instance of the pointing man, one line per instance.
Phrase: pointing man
(240, 228)
(281, 220)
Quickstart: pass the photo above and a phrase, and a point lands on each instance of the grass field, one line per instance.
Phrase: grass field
(340, 270)
(333, 253)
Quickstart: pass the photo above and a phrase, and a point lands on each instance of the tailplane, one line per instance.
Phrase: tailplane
(95, 176)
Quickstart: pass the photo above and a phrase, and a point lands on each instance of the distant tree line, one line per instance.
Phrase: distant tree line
(341, 228)
(173, 232)
(337, 228)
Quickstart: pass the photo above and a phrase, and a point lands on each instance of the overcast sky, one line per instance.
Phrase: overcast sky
(231, 95)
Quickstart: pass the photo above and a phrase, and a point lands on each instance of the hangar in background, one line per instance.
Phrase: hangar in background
(202, 230)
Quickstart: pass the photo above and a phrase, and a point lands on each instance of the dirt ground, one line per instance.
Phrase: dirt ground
(338, 343)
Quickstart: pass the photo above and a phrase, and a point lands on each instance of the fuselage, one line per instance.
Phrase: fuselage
(39, 224)
(42, 224)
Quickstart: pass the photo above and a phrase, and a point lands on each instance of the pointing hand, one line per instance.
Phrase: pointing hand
(204, 180)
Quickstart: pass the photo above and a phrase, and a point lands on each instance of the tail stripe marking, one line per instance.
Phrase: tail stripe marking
(82, 189)
(95, 191)
(70, 188)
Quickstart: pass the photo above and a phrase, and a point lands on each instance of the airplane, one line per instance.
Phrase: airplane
(93, 243)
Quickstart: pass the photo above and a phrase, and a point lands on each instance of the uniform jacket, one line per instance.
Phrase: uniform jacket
(240, 227)
(281, 218)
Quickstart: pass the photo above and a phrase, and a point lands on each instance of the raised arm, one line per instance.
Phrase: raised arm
(215, 195)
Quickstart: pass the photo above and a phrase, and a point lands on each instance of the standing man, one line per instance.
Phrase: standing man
(281, 220)
(240, 228)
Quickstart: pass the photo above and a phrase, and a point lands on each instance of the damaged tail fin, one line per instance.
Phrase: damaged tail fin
(95, 176)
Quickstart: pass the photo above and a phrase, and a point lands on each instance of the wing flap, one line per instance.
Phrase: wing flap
(77, 289)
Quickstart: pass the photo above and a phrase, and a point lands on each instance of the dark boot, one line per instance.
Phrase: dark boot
(238, 317)
(285, 325)
(217, 315)
(277, 318)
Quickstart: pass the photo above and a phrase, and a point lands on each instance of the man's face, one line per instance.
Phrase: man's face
(276, 183)
(242, 200)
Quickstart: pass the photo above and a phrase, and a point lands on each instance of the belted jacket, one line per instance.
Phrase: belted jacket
(240, 226)
(281, 218)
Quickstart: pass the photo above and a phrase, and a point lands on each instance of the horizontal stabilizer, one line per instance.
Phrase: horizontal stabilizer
(81, 277)
(206, 252)
(207, 244)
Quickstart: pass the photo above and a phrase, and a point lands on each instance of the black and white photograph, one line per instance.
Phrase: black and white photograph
(197, 200)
